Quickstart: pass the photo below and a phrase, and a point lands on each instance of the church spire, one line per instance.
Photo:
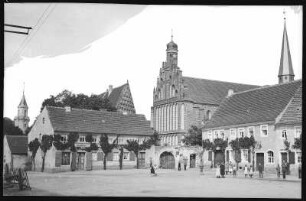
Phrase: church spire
(285, 73)
(22, 120)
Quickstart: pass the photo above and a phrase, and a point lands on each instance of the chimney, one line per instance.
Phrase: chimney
(67, 109)
(110, 89)
(230, 92)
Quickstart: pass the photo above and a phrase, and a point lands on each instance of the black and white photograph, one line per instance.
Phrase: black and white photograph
(138, 100)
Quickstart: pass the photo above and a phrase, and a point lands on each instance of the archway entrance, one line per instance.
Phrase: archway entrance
(167, 160)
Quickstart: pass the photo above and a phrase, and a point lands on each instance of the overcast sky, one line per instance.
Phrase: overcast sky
(86, 47)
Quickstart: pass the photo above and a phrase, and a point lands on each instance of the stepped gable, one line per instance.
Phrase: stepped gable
(211, 91)
(257, 105)
(92, 121)
(17, 144)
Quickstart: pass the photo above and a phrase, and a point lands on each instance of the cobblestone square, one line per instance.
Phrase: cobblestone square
(168, 183)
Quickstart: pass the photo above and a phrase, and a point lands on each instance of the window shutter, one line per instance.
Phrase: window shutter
(209, 155)
(58, 158)
(291, 157)
(99, 156)
(132, 156)
(249, 156)
(109, 156)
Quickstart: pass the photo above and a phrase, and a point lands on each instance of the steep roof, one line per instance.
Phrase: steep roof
(92, 121)
(114, 95)
(293, 112)
(23, 102)
(18, 144)
(211, 91)
(256, 105)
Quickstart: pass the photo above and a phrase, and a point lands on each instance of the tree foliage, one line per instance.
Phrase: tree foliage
(297, 143)
(287, 145)
(45, 145)
(107, 147)
(33, 147)
(207, 144)
(82, 101)
(58, 144)
(9, 127)
(242, 143)
(92, 145)
(193, 137)
(220, 144)
(73, 137)
(154, 139)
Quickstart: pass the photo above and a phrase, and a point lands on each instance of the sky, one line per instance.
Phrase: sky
(85, 48)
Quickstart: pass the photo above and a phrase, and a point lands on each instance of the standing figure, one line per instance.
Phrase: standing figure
(201, 166)
(180, 162)
(246, 171)
(284, 169)
(251, 171)
(260, 170)
(278, 171)
(222, 170)
(185, 163)
(300, 170)
(230, 167)
(226, 167)
(218, 174)
(234, 170)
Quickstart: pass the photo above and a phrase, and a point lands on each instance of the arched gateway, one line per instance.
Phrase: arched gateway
(167, 160)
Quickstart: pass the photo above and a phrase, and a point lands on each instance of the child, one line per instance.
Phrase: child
(246, 171)
(153, 170)
(251, 171)
(218, 174)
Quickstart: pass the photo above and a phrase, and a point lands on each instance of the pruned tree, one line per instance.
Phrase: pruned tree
(297, 143)
(92, 145)
(45, 145)
(33, 147)
(193, 137)
(121, 156)
(154, 139)
(58, 144)
(107, 147)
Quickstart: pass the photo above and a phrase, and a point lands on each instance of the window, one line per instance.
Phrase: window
(299, 157)
(284, 134)
(120, 141)
(63, 138)
(297, 132)
(241, 132)
(270, 157)
(65, 158)
(110, 140)
(216, 134)
(251, 131)
(115, 156)
(94, 139)
(82, 138)
(233, 133)
(208, 115)
(221, 134)
(264, 130)
(94, 156)
(126, 155)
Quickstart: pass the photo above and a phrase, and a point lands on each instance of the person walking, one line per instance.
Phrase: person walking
(246, 171)
(278, 170)
(226, 167)
(218, 174)
(222, 170)
(251, 171)
(185, 163)
(230, 167)
(260, 170)
(284, 169)
(180, 162)
(234, 170)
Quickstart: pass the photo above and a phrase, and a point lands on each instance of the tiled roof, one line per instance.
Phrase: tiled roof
(18, 144)
(114, 96)
(293, 113)
(91, 121)
(256, 105)
(211, 91)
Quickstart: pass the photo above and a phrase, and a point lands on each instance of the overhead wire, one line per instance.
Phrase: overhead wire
(35, 29)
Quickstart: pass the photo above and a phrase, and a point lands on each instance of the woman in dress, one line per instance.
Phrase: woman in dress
(251, 171)
(246, 171)
(218, 174)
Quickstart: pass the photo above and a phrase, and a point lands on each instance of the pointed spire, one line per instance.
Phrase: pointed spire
(171, 34)
(285, 73)
(23, 102)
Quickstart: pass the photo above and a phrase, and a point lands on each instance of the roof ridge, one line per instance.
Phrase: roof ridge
(219, 81)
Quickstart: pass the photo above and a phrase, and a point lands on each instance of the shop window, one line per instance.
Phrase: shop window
(264, 130)
(65, 158)
(115, 156)
(270, 157)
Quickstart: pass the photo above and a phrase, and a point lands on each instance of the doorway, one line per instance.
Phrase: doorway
(80, 160)
(219, 157)
(260, 158)
(142, 160)
(167, 160)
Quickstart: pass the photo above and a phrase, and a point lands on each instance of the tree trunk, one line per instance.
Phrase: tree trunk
(104, 161)
(253, 162)
(43, 163)
(73, 162)
(137, 164)
(121, 158)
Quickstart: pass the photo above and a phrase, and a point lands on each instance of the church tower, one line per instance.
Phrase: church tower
(285, 73)
(22, 120)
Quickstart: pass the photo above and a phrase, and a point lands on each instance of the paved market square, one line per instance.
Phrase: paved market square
(168, 183)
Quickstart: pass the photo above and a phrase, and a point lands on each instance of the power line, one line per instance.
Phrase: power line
(38, 25)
